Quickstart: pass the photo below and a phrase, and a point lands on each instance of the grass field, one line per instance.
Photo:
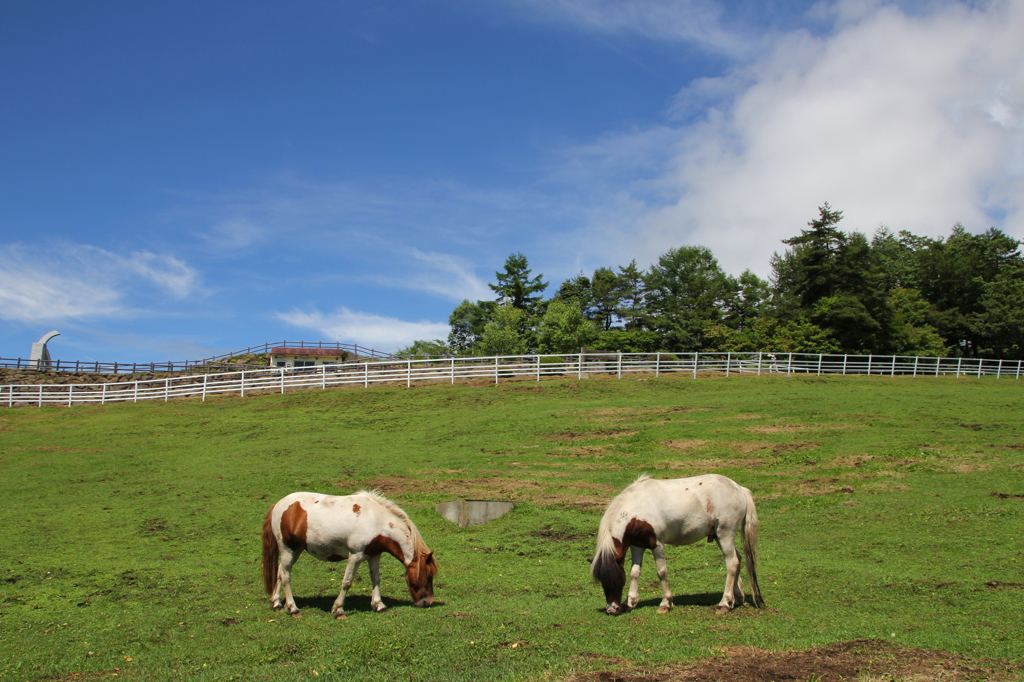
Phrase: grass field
(131, 532)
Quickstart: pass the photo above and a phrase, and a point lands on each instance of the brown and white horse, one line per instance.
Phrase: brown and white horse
(652, 513)
(355, 527)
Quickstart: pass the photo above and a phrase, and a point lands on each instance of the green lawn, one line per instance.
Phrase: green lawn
(132, 531)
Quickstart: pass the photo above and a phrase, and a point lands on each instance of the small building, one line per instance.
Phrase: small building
(306, 357)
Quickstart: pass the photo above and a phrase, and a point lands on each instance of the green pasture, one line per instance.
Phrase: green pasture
(131, 532)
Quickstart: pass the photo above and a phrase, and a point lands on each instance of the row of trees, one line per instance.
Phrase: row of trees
(829, 292)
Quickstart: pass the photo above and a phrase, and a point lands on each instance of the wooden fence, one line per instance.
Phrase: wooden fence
(497, 369)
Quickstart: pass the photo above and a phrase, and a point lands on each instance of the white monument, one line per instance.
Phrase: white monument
(40, 357)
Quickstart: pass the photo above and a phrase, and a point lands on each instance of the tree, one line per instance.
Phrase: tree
(516, 285)
(434, 348)
(564, 329)
(605, 292)
(631, 295)
(685, 291)
(467, 323)
(503, 335)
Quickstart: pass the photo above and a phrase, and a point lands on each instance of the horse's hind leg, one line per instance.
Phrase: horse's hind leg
(727, 543)
(376, 603)
(637, 554)
(284, 580)
(338, 609)
(662, 565)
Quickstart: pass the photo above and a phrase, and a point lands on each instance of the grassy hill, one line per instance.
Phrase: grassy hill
(132, 531)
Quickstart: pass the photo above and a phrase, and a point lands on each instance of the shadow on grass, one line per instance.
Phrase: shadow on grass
(702, 599)
(353, 603)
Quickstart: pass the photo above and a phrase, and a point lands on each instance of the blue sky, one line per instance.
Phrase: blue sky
(183, 179)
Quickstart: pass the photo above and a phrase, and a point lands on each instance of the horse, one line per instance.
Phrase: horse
(651, 513)
(331, 528)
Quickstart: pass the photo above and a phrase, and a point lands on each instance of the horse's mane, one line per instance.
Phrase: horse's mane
(419, 544)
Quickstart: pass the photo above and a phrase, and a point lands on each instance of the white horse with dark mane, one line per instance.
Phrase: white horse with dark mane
(355, 527)
(652, 513)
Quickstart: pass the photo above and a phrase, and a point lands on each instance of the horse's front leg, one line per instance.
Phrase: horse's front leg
(637, 553)
(662, 565)
(376, 603)
(338, 609)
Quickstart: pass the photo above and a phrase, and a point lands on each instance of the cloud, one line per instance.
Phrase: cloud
(914, 121)
(385, 334)
(450, 276)
(691, 21)
(63, 280)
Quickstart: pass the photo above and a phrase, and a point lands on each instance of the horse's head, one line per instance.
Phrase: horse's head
(420, 578)
(608, 569)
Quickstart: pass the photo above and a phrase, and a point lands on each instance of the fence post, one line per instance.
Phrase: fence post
(981, 361)
(696, 359)
(40, 395)
(1016, 377)
(959, 361)
(167, 389)
(869, 364)
(495, 370)
(242, 382)
(408, 374)
(999, 369)
(205, 378)
(103, 396)
(282, 380)
(538, 367)
(453, 371)
(323, 378)
(789, 365)
(728, 361)
(71, 393)
(620, 365)
(579, 367)
(819, 364)
(657, 365)
(917, 358)
(892, 372)
(759, 357)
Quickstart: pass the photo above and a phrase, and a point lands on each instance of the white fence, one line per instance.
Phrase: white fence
(497, 369)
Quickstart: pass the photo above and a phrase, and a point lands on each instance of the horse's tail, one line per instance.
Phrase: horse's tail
(750, 548)
(271, 553)
(605, 567)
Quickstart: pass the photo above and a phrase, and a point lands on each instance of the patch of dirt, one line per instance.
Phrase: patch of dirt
(798, 446)
(746, 447)
(1005, 447)
(592, 451)
(684, 444)
(705, 465)
(627, 414)
(968, 468)
(573, 436)
(792, 428)
(861, 659)
(743, 417)
(1007, 496)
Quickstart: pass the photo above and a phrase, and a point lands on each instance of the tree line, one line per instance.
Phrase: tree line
(829, 291)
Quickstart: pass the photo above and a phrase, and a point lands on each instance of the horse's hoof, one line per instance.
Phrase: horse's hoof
(380, 609)
(664, 609)
(277, 607)
(296, 615)
(722, 610)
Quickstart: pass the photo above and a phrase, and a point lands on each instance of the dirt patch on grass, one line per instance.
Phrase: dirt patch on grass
(709, 465)
(629, 414)
(573, 436)
(746, 447)
(743, 417)
(591, 451)
(684, 444)
(862, 659)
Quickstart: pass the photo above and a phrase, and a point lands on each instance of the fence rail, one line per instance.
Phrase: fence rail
(218, 363)
(496, 369)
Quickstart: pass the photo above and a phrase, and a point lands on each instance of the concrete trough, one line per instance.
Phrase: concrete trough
(472, 512)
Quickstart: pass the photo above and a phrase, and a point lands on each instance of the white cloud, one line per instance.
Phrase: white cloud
(916, 122)
(691, 21)
(385, 334)
(450, 276)
(62, 280)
